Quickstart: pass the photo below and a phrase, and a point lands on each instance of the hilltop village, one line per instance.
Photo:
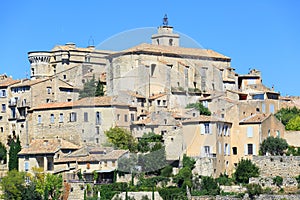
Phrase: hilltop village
(147, 89)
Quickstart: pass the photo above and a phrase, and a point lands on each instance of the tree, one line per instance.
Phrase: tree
(3, 153)
(13, 184)
(254, 190)
(245, 170)
(188, 162)
(99, 89)
(203, 110)
(209, 186)
(286, 114)
(15, 148)
(89, 89)
(30, 193)
(121, 138)
(274, 146)
(293, 124)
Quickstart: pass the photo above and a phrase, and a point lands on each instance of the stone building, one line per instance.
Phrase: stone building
(72, 64)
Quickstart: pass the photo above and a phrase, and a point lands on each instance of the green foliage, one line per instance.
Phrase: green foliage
(203, 110)
(183, 178)
(169, 193)
(274, 146)
(89, 89)
(293, 124)
(209, 186)
(148, 138)
(30, 193)
(167, 171)
(188, 162)
(15, 148)
(254, 190)
(245, 170)
(153, 161)
(286, 114)
(79, 175)
(109, 190)
(146, 184)
(295, 151)
(53, 185)
(3, 153)
(223, 179)
(99, 89)
(13, 185)
(121, 138)
(278, 180)
(145, 197)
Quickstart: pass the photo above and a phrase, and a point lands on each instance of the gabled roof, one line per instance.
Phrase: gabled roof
(47, 146)
(156, 96)
(255, 119)
(173, 50)
(28, 82)
(84, 102)
(7, 82)
(204, 118)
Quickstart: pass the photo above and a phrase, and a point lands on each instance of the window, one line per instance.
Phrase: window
(49, 90)
(26, 166)
(97, 140)
(3, 93)
(3, 108)
(132, 117)
(158, 102)
(113, 163)
(105, 163)
(250, 149)
(125, 118)
(1, 129)
(73, 117)
(97, 130)
(39, 119)
(61, 117)
(118, 117)
(170, 42)
(98, 118)
(52, 118)
(272, 110)
(249, 132)
(65, 77)
(234, 150)
(85, 117)
(278, 133)
(164, 102)
(207, 150)
(206, 125)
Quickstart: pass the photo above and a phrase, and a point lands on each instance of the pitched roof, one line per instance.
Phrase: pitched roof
(28, 82)
(156, 96)
(254, 119)
(7, 82)
(204, 118)
(47, 146)
(150, 48)
(88, 101)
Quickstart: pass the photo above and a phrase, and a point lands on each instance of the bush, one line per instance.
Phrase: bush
(223, 179)
(254, 190)
(274, 146)
(245, 170)
(278, 181)
(209, 186)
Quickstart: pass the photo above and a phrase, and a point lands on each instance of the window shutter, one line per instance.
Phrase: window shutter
(254, 149)
(228, 152)
(202, 129)
(246, 149)
(225, 148)
(220, 148)
(250, 131)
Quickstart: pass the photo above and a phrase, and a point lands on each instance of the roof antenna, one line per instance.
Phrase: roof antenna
(165, 20)
(91, 41)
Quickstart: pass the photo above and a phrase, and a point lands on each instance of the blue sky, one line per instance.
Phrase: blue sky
(256, 34)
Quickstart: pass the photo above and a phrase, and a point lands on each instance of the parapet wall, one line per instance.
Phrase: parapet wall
(284, 166)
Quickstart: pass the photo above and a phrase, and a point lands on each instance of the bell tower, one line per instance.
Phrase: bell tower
(165, 35)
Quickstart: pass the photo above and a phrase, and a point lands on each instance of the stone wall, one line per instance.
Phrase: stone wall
(284, 166)
(138, 195)
(76, 191)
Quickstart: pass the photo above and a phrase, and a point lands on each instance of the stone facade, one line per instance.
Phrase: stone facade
(284, 166)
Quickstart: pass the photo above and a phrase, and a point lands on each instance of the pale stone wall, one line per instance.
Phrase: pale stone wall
(292, 138)
(139, 195)
(205, 166)
(284, 166)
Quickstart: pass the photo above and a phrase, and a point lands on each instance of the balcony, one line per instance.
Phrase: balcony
(12, 103)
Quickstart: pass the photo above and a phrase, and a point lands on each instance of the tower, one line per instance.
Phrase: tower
(165, 35)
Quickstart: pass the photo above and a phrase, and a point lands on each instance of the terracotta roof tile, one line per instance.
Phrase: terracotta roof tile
(204, 118)
(156, 96)
(257, 118)
(174, 50)
(7, 82)
(47, 146)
